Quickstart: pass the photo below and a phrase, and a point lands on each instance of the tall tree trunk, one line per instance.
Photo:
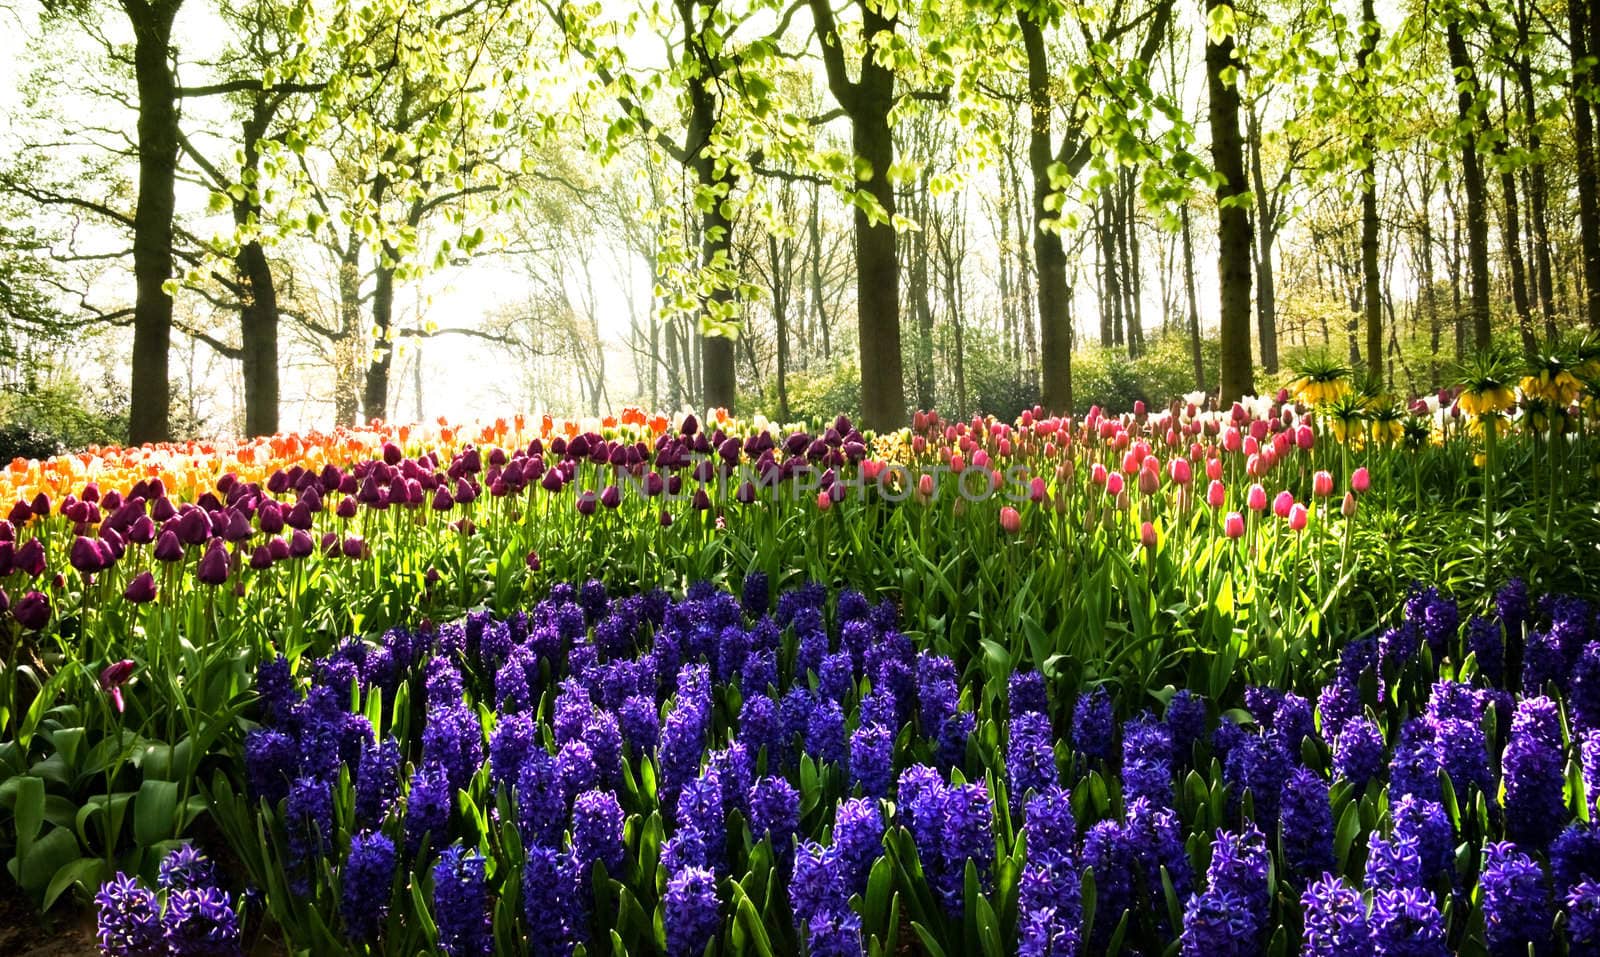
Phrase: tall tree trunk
(1193, 302)
(347, 348)
(1472, 172)
(150, 395)
(1266, 237)
(1050, 258)
(1236, 376)
(258, 311)
(1511, 227)
(1430, 291)
(1538, 185)
(375, 391)
(780, 319)
(817, 301)
(1371, 285)
(1587, 167)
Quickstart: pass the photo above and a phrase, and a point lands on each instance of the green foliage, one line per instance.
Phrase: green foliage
(820, 395)
(1111, 380)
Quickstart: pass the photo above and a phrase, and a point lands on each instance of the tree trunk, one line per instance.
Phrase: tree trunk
(1472, 173)
(883, 394)
(780, 319)
(1050, 258)
(347, 348)
(1371, 286)
(375, 392)
(1429, 291)
(1194, 304)
(1235, 375)
(1587, 168)
(1266, 237)
(1511, 230)
(150, 394)
(1538, 189)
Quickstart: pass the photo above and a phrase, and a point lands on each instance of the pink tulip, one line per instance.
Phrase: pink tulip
(1305, 438)
(824, 501)
(1298, 515)
(1147, 535)
(1149, 482)
(1114, 484)
(1322, 484)
(925, 485)
(1181, 471)
(1010, 520)
(1256, 498)
(1233, 525)
(1213, 469)
(1098, 474)
(1360, 480)
(1348, 508)
(1036, 489)
(1216, 493)
(1282, 504)
(957, 463)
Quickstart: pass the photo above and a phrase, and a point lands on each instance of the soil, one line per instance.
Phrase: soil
(68, 932)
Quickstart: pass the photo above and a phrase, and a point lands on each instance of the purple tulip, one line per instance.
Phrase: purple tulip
(30, 557)
(213, 568)
(746, 493)
(7, 532)
(300, 544)
(141, 589)
(534, 562)
(587, 502)
(442, 500)
(261, 558)
(142, 531)
(346, 509)
(85, 556)
(8, 558)
(654, 484)
(163, 510)
(168, 548)
(691, 425)
(611, 496)
(465, 493)
(270, 517)
(113, 678)
(20, 514)
(32, 611)
(330, 543)
(194, 526)
(41, 505)
(701, 500)
(354, 547)
(277, 548)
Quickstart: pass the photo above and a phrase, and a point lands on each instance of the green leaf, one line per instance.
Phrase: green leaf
(155, 812)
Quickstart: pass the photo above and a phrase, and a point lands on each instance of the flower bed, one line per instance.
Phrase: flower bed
(645, 775)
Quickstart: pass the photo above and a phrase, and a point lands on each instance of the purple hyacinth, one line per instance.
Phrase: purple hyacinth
(1535, 774)
(428, 805)
(551, 902)
(1435, 616)
(515, 735)
(1427, 822)
(453, 737)
(270, 757)
(1583, 918)
(576, 769)
(756, 595)
(1405, 923)
(128, 919)
(1415, 767)
(461, 904)
(1335, 920)
(1393, 862)
(1186, 720)
(858, 829)
(1260, 766)
(1358, 751)
(1030, 755)
(1488, 646)
(1155, 836)
(834, 934)
(968, 834)
(1219, 922)
(186, 867)
(872, 759)
(818, 886)
(1516, 902)
(1146, 762)
(1338, 704)
(1092, 731)
(377, 782)
(1050, 827)
(200, 922)
(691, 906)
(1239, 866)
(308, 812)
(1049, 910)
(775, 813)
(1025, 694)
(825, 734)
(1306, 819)
(366, 883)
(640, 722)
(597, 822)
(1107, 853)
(1575, 856)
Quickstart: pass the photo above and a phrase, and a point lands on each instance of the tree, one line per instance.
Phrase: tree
(1235, 375)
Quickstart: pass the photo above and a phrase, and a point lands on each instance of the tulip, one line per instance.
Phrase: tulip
(113, 677)
(1322, 484)
(300, 544)
(1360, 480)
(168, 548)
(354, 547)
(261, 558)
(533, 561)
(32, 611)
(346, 509)
(1114, 484)
(1256, 498)
(1348, 507)
(278, 548)
(1298, 516)
(700, 500)
(925, 485)
(1010, 520)
(1147, 535)
(1216, 493)
(746, 493)
(213, 568)
(1305, 438)
(1180, 471)
(330, 540)
(85, 556)
(1233, 525)
(824, 501)
(30, 557)
(1036, 489)
(1282, 504)
(142, 589)
(1149, 482)
(588, 502)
